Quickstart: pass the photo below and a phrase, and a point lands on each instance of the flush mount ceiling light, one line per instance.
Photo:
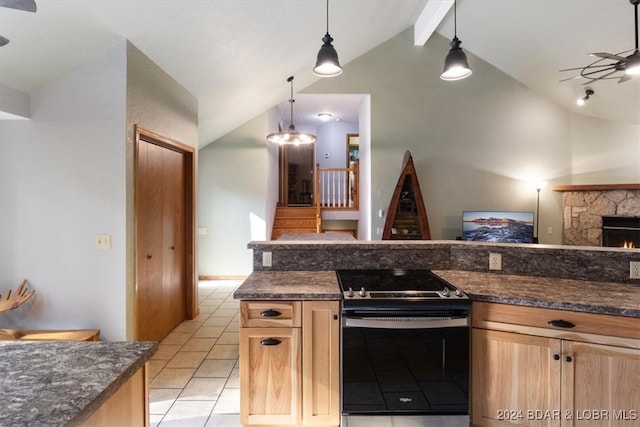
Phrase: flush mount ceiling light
(456, 66)
(291, 136)
(325, 117)
(621, 66)
(327, 64)
(587, 94)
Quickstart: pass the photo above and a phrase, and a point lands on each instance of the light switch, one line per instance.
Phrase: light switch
(103, 241)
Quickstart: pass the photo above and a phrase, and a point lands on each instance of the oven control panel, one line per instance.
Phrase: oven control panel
(444, 293)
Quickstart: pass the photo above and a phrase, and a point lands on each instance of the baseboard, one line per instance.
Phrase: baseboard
(223, 277)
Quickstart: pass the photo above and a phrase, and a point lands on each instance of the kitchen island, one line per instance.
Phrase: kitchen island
(68, 383)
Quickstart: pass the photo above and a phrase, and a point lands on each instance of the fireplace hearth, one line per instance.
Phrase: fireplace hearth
(621, 231)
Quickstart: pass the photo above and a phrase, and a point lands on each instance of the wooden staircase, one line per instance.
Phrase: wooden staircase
(293, 220)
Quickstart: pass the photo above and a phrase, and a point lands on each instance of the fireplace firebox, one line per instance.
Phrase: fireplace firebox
(621, 231)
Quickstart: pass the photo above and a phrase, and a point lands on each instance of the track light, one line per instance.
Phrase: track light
(587, 94)
(327, 64)
(456, 66)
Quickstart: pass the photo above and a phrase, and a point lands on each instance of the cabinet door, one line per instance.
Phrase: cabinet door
(600, 385)
(269, 379)
(515, 379)
(320, 363)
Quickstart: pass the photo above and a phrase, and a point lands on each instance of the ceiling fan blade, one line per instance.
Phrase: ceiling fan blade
(26, 5)
(587, 67)
(600, 78)
(3, 41)
(624, 78)
(608, 56)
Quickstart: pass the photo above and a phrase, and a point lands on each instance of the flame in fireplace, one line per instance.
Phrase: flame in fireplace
(628, 244)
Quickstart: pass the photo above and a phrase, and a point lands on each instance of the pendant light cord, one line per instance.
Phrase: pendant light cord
(328, 17)
(455, 20)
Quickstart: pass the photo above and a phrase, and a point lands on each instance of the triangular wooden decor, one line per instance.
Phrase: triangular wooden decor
(406, 216)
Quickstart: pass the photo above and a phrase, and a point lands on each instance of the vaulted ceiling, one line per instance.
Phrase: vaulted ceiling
(234, 55)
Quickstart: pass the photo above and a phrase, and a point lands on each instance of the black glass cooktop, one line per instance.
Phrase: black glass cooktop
(392, 281)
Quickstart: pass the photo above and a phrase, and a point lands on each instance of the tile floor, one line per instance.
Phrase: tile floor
(194, 377)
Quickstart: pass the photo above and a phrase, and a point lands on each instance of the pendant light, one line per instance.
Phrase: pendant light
(291, 136)
(327, 64)
(456, 66)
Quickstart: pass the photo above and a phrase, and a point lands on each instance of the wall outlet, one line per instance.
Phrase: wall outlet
(266, 259)
(634, 270)
(495, 261)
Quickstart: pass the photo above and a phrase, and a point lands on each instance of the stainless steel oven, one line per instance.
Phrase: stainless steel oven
(405, 349)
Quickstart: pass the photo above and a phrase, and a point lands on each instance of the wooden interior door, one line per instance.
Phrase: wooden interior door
(165, 283)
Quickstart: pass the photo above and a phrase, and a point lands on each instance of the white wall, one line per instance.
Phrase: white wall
(232, 189)
(62, 177)
(66, 175)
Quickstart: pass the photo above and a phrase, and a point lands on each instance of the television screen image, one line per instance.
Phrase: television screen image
(499, 226)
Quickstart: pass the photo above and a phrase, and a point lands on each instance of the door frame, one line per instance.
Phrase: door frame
(190, 292)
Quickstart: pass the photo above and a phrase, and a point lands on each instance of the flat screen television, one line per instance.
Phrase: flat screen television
(498, 226)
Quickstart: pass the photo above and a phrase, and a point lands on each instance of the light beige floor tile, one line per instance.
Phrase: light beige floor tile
(224, 420)
(215, 368)
(189, 325)
(161, 399)
(187, 359)
(166, 351)
(217, 321)
(230, 305)
(229, 338)
(172, 378)
(224, 351)
(234, 379)
(208, 331)
(203, 389)
(199, 344)
(229, 402)
(155, 366)
(221, 312)
(154, 420)
(185, 413)
(233, 326)
(177, 338)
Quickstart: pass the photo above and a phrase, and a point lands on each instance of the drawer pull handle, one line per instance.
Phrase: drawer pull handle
(556, 357)
(270, 313)
(561, 324)
(270, 341)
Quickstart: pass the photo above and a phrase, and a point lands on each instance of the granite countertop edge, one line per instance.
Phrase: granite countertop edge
(488, 287)
(86, 412)
(63, 383)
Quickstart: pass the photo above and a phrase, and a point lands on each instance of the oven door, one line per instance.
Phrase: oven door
(405, 366)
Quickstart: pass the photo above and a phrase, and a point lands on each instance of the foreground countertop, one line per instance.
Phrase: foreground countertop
(61, 383)
(576, 295)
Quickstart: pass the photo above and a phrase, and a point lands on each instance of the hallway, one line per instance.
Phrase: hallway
(194, 376)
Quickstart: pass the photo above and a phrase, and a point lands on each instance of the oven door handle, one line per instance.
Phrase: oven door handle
(404, 322)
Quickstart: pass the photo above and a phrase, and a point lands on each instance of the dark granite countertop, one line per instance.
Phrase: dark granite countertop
(619, 299)
(61, 383)
(290, 285)
(577, 295)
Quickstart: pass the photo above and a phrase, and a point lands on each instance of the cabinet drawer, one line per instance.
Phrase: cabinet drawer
(268, 314)
(485, 315)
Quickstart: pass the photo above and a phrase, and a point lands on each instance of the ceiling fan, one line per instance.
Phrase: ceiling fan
(622, 66)
(26, 5)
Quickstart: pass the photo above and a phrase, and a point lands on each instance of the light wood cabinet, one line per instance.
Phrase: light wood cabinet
(289, 363)
(526, 372)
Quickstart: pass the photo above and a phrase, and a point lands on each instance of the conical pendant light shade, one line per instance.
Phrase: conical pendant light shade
(456, 66)
(291, 136)
(327, 64)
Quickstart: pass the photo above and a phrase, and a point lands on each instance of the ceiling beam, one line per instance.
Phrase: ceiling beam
(431, 16)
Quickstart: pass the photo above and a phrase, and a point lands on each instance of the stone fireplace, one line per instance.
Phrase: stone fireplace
(585, 205)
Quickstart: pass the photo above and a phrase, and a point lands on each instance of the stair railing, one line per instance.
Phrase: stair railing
(336, 189)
